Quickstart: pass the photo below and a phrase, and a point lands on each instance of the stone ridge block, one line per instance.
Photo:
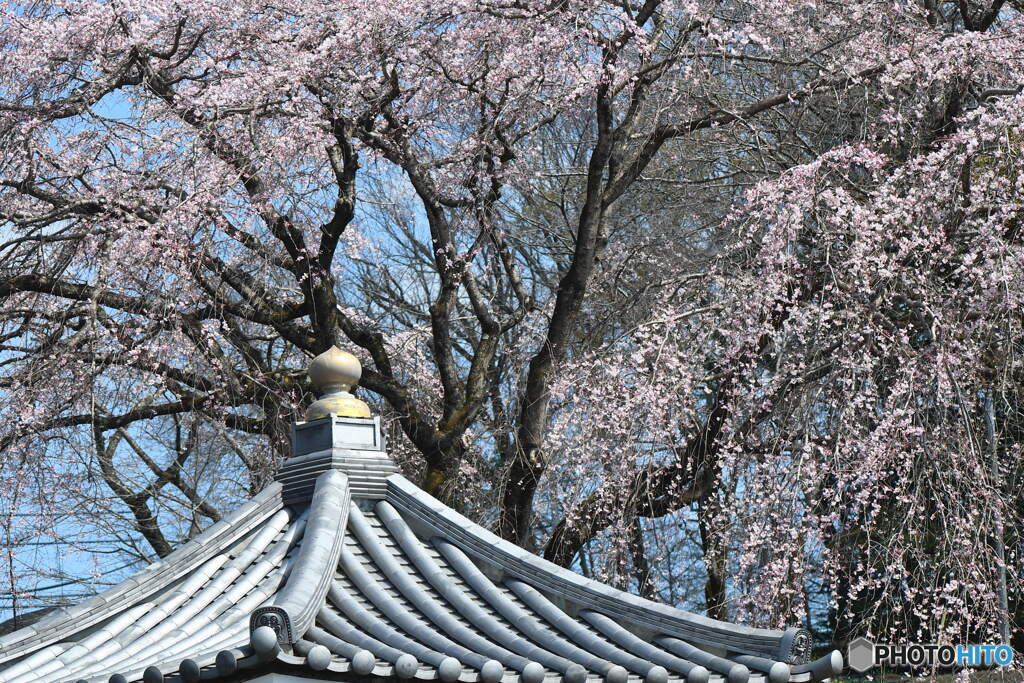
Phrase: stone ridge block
(337, 432)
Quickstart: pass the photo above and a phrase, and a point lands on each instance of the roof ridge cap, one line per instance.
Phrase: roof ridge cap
(352, 445)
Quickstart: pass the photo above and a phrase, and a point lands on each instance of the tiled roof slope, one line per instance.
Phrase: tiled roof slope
(322, 578)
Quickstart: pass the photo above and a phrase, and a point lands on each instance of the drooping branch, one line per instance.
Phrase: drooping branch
(653, 492)
(602, 191)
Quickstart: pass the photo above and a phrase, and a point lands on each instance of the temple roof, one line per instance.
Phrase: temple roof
(345, 569)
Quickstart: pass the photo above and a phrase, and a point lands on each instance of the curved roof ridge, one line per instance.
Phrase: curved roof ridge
(790, 645)
(296, 604)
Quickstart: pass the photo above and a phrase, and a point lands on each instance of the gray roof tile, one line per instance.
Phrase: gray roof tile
(367, 575)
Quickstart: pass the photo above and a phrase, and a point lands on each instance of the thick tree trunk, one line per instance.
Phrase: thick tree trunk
(441, 476)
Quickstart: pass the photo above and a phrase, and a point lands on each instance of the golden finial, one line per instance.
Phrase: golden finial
(334, 374)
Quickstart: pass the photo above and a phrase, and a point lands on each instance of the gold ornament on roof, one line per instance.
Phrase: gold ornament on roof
(334, 374)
